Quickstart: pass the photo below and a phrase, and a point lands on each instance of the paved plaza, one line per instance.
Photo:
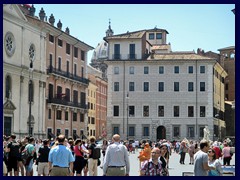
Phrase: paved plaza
(175, 168)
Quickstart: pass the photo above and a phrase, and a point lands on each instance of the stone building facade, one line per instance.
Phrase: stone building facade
(157, 95)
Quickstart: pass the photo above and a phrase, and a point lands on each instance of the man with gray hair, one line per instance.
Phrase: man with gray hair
(116, 161)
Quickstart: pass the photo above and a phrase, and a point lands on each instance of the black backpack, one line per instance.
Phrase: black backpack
(14, 149)
(96, 152)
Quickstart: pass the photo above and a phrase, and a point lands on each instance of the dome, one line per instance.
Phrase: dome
(101, 51)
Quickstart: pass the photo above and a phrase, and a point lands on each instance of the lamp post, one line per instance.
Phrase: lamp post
(127, 113)
(30, 89)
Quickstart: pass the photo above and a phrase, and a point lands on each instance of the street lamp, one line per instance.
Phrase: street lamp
(30, 89)
(127, 113)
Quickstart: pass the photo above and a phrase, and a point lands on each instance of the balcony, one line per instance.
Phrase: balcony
(57, 99)
(52, 70)
(132, 56)
(116, 56)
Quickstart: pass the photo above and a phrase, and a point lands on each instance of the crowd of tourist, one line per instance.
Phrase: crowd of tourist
(67, 157)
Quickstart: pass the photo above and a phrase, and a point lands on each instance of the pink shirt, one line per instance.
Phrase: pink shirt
(226, 152)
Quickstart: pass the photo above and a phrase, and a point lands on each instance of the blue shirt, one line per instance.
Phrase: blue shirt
(60, 156)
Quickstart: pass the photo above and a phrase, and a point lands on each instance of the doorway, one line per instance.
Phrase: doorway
(161, 133)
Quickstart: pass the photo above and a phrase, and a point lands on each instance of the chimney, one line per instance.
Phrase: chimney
(51, 20)
(67, 30)
(42, 14)
(32, 11)
(59, 25)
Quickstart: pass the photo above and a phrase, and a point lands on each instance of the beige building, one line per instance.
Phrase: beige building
(158, 94)
(100, 99)
(24, 74)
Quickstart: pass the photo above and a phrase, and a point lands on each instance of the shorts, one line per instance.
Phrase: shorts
(29, 167)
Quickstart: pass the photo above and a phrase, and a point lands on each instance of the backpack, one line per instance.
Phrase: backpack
(96, 152)
(26, 156)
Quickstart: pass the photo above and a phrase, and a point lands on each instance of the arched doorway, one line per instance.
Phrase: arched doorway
(161, 133)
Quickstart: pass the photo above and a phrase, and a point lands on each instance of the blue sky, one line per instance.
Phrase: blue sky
(206, 26)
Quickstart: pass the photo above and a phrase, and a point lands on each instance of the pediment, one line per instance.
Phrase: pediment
(13, 10)
(8, 105)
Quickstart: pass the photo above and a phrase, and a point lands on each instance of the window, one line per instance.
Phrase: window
(49, 114)
(75, 97)
(160, 111)
(60, 42)
(190, 86)
(66, 133)
(32, 52)
(145, 131)
(145, 111)
(58, 132)
(115, 110)
(161, 86)
(176, 111)
(176, 131)
(131, 111)
(131, 70)
(8, 88)
(51, 38)
(116, 70)
(176, 69)
(151, 35)
(161, 70)
(75, 52)
(201, 131)
(66, 115)
(59, 114)
(190, 111)
(159, 35)
(190, 131)
(59, 63)
(116, 86)
(82, 55)
(132, 54)
(10, 44)
(81, 117)
(92, 120)
(190, 69)
(67, 48)
(30, 91)
(131, 86)
(75, 69)
(115, 130)
(176, 86)
(146, 70)
(202, 69)
(131, 131)
(116, 51)
(74, 116)
(202, 86)
(146, 86)
(202, 111)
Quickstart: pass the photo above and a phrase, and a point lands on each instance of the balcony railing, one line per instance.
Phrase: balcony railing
(116, 56)
(64, 101)
(53, 70)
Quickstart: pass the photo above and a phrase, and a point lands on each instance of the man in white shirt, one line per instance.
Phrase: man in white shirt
(116, 161)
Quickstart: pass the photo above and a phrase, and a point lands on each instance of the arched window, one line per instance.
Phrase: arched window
(30, 91)
(8, 87)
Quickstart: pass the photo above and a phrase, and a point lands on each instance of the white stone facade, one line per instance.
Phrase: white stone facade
(16, 68)
(153, 98)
